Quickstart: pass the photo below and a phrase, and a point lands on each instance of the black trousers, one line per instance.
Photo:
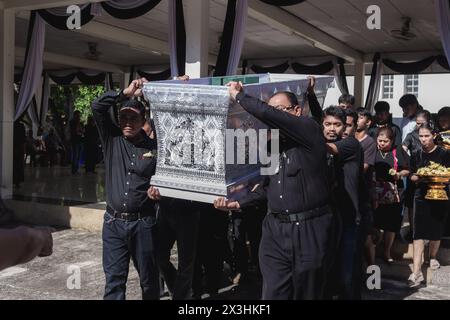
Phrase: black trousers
(212, 250)
(296, 257)
(122, 240)
(238, 235)
(178, 221)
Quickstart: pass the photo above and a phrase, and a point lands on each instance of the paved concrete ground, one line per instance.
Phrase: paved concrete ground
(47, 278)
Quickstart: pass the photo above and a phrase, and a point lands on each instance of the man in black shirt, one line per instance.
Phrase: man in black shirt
(347, 184)
(383, 118)
(297, 235)
(128, 229)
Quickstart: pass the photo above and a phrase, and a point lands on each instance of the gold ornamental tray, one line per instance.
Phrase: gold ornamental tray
(436, 186)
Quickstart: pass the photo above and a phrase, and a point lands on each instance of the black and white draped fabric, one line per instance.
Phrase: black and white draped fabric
(44, 98)
(33, 64)
(282, 3)
(375, 82)
(57, 17)
(443, 18)
(128, 9)
(319, 69)
(33, 114)
(156, 76)
(409, 67)
(280, 68)
(340, 75)
(85, 77)
(233, 36)
(177, 38)
(240, 25)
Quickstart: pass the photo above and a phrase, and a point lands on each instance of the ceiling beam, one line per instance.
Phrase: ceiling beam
(287, 22)
(75, 62)
(42, 4)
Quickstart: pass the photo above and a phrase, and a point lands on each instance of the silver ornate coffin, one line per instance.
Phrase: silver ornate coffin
(191, 120)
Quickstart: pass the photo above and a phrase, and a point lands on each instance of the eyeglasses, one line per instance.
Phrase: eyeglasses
(284, 108)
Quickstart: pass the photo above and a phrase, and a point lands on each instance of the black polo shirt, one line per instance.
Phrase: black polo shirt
(128, 166)
(300, 183)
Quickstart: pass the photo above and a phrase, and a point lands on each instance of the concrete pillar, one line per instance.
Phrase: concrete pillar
(7, 30)
(196, 17)
(123, 79)
(359, 84)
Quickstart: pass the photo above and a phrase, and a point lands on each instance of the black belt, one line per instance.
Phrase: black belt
(302, 216)
(128, 216)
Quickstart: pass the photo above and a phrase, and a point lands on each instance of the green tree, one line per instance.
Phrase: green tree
(84, 97)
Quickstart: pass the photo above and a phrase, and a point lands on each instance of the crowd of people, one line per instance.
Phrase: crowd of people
(346, 184)
(73, 144)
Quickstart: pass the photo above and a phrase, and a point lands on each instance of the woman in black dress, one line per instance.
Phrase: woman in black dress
(391, 165)
(412, 144)
(429, 215)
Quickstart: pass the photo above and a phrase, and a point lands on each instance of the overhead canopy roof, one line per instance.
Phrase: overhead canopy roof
(309, 32)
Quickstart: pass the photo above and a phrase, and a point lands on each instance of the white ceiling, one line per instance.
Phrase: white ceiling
(345, 20)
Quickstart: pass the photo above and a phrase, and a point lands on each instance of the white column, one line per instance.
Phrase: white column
(7, 30)
(196, 17)
(359, 84)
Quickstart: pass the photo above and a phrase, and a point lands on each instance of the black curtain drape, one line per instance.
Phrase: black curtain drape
(84, 78)
(317, 69)
(110, 80)
(163, 75)
(132, 12)
(282, 3)
(41, 116)
(91, 80)
(281, 68)
(60, 22)
(409, 68)
(227, 39)
(34, 106)
(442, 60)
(63, 80)
(244, 66)
(373, 76)
(181, 38)
(132, 72)
(342, 75)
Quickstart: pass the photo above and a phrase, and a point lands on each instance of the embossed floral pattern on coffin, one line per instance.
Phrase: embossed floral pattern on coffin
(191, 119)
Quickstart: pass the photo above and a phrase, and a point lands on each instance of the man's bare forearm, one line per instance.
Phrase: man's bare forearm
(22, 244)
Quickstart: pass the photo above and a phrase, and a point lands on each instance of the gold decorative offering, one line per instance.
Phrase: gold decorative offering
(436, 176)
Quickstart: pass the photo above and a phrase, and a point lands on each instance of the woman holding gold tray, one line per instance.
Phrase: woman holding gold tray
(431, 202)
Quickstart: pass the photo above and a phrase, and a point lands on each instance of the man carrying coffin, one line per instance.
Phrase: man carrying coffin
(298, 231)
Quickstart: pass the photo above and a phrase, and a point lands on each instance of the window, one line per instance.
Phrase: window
(388, 87)
(412, 84)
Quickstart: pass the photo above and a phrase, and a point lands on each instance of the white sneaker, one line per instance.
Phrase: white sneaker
(415, 280)
(434, 264)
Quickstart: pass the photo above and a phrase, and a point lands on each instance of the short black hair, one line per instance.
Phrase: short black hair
(334, 111)
(353, 115)
(347, 99)
(363, 112)
(444, 112)
(408, 99)
(426, 114)
(382, 106)
(289, 95)
(429, 126)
